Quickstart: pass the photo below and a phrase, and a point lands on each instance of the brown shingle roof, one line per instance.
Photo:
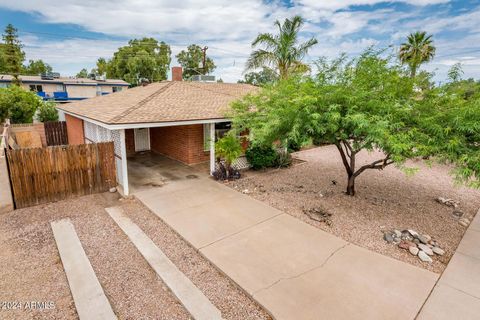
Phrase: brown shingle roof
(164, 101)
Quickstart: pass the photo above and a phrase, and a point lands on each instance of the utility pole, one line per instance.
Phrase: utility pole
(204, 59)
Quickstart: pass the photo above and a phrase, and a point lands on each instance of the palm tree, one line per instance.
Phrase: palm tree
(281, 51)
(418, 49)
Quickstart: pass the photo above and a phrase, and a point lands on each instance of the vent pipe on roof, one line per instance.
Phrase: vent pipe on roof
(177, 74)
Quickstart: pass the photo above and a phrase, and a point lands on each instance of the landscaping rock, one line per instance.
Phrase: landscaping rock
(423, 239)
(424, 257)
(448, 202)
(413, 233)
(464, 222)
(438, 251)
(457, 214)
(413, 250)
(397, 233)
(425, 249)
(112, 190)
(406, 244)
(416, 241)
(388, 237)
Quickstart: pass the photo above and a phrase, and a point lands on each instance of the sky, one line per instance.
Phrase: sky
(73, 34)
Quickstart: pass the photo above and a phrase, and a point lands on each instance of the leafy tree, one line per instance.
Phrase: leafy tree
(367, 103)
(192, 62)
(36, 67)
(142, 59)
(101, 67)
(82, 74)
(455, 73)
(13, 56)
(282, 52)
(18, 105)
(417, 50)
(47, 112)
(260, 78)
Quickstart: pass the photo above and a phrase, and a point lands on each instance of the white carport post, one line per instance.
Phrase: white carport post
(123, 154)
(212, 148)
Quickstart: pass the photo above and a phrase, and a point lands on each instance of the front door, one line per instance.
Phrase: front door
(142, 139)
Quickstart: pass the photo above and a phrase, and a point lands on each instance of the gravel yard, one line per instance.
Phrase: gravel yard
(31, 269)
(384, 200)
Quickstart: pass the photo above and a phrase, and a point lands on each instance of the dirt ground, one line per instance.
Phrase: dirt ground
(31, 269)
(385, 200)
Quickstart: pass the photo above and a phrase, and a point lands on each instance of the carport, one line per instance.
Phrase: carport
(175, 119)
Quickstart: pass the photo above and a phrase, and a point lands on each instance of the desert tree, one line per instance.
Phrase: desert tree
(367, 103)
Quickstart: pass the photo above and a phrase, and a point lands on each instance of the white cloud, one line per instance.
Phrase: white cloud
(228, 27)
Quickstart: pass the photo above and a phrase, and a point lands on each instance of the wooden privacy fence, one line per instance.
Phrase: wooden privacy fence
(41, 175)
(56, 133)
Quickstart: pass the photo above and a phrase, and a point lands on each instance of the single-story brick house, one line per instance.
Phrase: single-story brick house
(174, 118)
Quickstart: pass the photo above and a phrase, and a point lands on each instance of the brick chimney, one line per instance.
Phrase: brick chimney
(177, 74)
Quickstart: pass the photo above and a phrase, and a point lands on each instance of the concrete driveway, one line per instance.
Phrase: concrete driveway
(294, 270)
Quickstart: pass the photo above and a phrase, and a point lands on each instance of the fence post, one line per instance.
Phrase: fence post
(6, 198)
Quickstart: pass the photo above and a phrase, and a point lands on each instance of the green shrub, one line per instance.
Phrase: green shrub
(261, 157)
(18, 104)
(47, 112)
(228, 148)
(283, 159)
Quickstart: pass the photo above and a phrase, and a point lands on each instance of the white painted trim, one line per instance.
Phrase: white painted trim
(123, 154)
(212, 148)
(146, 124)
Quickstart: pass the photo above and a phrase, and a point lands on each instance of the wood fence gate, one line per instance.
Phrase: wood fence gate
(41, 175)
(56, 133)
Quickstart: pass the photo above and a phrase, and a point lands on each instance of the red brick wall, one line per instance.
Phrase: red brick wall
(182, 143)
(74, 130)
(130, 141)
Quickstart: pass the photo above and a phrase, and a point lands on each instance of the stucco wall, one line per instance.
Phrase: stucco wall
(182, 143)
(74, 130)
(79, 91)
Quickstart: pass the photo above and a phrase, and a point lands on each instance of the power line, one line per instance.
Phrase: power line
(99, 39)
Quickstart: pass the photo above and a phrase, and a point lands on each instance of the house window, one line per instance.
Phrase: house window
(60, 88)
(116, 89)
(36, 88)
(220, 130)
(4, 85)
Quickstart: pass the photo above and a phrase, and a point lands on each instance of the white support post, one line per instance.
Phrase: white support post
(123, 154)
(212, 148)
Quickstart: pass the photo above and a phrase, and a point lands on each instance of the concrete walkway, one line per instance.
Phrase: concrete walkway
(294, 270)
(187, 293)
(90, 300)
(457, 293)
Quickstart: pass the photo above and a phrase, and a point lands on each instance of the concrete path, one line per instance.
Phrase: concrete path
(187, 293)
(294, 270)
(90, 300)
(457, 293)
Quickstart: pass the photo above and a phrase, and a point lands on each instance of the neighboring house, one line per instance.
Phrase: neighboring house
(61, 89)
(173, 118)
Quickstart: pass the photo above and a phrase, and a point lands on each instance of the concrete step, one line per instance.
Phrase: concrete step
(90, 300)
(196, 303)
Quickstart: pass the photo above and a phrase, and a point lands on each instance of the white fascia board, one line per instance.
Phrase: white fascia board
(144, 125)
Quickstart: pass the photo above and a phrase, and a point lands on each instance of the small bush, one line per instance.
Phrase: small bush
(261, 157)
(47, 112)
(284, 159)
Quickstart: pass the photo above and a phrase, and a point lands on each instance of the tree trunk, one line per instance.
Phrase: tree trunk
(351, 185)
